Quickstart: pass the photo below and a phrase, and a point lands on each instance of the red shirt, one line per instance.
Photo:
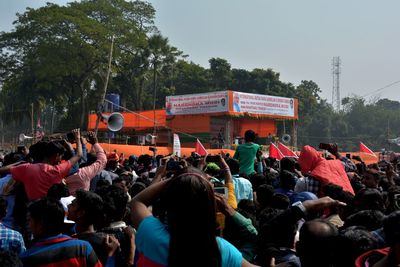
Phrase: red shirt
(38, 178)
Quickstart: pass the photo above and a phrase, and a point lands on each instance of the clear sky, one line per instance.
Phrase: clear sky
(298, 39)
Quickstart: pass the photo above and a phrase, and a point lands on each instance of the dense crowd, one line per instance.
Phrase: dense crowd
(68, 203)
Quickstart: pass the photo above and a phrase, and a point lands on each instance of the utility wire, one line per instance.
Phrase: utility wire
(382, 88)
(150, 119)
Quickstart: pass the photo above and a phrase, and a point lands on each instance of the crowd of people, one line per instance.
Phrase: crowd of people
(68, 203)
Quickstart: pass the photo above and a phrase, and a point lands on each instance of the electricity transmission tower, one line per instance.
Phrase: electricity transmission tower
(336, 83)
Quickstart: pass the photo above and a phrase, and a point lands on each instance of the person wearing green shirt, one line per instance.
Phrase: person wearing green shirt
(246, 153)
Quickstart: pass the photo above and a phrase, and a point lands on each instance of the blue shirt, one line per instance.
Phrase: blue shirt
(243, 188)
(152, 242)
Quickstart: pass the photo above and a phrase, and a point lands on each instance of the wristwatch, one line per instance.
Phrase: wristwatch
(300, 205)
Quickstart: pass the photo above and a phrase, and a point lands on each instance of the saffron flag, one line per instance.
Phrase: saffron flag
(365, 149)
(200, 149)
(286, 151)
(274, 152)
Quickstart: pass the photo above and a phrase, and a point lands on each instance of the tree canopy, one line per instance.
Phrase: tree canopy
(54, 60)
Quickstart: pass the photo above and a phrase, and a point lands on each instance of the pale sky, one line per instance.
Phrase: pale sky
(298, 39)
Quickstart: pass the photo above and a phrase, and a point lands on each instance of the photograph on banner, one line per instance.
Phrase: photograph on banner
(263, 104)
(212, 102)
(218, 133)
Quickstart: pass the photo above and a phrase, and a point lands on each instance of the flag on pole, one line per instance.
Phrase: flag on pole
(286, 151)
(274, 152)
(366, 150)
(200, 149)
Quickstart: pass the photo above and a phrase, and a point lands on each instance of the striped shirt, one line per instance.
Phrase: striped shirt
(60, 251)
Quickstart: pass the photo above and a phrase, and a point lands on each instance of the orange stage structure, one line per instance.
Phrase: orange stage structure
(217, 119)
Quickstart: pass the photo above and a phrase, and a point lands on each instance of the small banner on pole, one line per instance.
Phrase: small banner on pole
(177, 146)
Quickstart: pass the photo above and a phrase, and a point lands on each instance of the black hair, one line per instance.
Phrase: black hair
(233, 165)
(391, 228)
(249, 136)
(117, 180)
(190, 204)
(102, 183)
(318, 239)
(37, 151)
(280, 201)
(288, 164)
(264, 195)
(3, 208)
(91, 204)
(287, 180)
(145, 160)
(248, 209)
(369, 199)
(115, 201)
(275, 232)
(256, 180)
(91, 158)
(57, 191)
(370, 219)
(136, 188)
(50, 213)
(332, 190)
(53, 148)
(12, 158)
(352, 242)
(9, 259)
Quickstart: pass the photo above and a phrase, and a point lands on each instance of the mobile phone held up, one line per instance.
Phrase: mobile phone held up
(173, 165)
(222, 191)
(211, 158)
(324, 146)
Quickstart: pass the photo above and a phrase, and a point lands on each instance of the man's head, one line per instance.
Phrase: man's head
(249, 136)
(317, 243)
(371, 178)
(23, 150)
(353, 242)
(264, 195)
(233, 165)
(46, 217)
(86, 208)
(391, 227)
(112, 160)
(115, 200)
(369, 219)
(287, 180)
(12, 158)
(288, 164)
(369, 199)
(54, 153)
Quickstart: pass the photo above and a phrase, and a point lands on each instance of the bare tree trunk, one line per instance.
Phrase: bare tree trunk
(139, 101)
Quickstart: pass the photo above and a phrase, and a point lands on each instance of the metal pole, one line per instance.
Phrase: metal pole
(105, 84)
(154, 93)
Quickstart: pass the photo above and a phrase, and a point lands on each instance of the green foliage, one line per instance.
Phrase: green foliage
(56, 59)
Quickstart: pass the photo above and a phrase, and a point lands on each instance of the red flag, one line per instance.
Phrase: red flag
(365, 149)
(200, 149)
(274, 152)
(286, 151)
